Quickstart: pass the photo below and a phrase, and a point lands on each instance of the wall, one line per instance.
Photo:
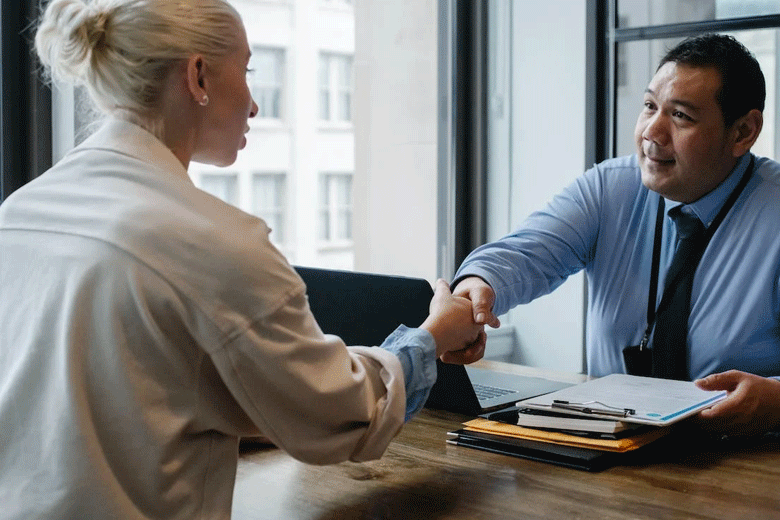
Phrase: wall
(396, 137)
(395, 141)
(544, 99)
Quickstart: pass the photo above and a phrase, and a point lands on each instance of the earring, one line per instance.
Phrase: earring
(205, 101)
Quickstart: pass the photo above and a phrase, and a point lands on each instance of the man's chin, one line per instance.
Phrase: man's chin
(657, 182)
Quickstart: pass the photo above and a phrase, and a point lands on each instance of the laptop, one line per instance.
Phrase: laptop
(364, 308)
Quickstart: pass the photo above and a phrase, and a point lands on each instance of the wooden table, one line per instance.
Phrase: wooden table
(422, 477)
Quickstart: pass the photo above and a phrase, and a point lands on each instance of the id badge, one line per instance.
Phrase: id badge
(638, 360)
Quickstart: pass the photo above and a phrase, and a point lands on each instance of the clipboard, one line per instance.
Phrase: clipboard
(636, 399)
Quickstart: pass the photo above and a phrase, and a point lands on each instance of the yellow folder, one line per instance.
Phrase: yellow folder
(617, 445)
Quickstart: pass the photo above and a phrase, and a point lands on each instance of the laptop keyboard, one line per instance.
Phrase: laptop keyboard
(489, 392)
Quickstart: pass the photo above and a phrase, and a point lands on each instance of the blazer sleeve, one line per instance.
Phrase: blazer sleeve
(309, 393)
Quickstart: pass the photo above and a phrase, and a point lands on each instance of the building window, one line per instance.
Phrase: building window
(266, 81)
(222, 185)
(335, 223)
(269, 195)
(335, 84)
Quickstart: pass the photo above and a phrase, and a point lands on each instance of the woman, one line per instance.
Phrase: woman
(147, 325)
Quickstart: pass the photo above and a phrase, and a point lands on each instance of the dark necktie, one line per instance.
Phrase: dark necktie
(670, 337)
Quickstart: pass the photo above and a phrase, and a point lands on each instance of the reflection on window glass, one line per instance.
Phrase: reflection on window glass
(268, 202)
(335, 207)
(345, 89)
(324, 81)
(265, 81)
(640, 13)
(335, 84)
(221, 185)
(641, 61)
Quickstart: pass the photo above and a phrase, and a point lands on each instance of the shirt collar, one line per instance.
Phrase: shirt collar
(130, 139)
(708, 206)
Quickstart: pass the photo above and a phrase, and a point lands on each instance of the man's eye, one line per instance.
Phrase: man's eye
(682, 115)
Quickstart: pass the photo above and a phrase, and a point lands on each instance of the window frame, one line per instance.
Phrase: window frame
(278, 236)
(25, 101)
(611, 35)
(332, 208)
(280, 55)
(334, 88)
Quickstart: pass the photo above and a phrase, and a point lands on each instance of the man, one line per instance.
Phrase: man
(702, 113)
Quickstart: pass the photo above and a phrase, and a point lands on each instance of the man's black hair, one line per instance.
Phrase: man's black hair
(743, 87)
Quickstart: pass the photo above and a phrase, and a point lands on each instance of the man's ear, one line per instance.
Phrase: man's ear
(196, 79)
(745, 132)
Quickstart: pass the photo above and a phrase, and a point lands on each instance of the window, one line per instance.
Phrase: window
(385, 169)
(643, 57)
(606, 97)
(221, 185)
(269, 193)
(335, 82)
(266, 81)
(335, 223)
(636, 13)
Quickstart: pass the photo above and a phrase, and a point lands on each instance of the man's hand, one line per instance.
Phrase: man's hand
(482, 298)
(458, 339)
(752, 406)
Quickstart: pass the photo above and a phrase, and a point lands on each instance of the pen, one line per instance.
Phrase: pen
(585, 408)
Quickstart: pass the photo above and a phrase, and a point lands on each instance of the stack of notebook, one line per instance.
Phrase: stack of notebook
(590, 426)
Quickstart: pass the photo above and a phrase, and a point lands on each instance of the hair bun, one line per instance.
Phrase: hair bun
(69, 32)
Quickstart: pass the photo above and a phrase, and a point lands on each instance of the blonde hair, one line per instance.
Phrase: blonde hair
(122, 51)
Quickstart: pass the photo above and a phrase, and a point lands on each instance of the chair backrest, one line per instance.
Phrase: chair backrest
(364, 308)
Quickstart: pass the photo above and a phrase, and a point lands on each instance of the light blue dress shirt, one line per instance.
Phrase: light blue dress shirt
(604, 223)
(416, 350)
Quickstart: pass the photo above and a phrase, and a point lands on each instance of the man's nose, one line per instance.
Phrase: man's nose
(657, 129)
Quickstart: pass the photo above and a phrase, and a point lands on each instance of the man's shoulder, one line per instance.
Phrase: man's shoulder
(619, 175)
(624, 162)
(768, 170)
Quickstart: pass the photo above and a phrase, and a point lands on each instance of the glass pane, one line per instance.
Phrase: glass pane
(222, 186)
(345, 224)
(324, 225)
(639, 60)
(345, 104)
(324, 71)
(343, 190)
(345, 72)
(268, 192)
(266, 81)
(640, 13)
(325, 191)
(295, 86)
(324, 105)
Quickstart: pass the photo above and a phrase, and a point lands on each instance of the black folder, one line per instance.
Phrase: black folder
(558, 454)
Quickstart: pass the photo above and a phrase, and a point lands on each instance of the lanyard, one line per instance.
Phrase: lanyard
(702, 242)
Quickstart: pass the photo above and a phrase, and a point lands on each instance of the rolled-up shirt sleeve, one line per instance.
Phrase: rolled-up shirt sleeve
(416, 350)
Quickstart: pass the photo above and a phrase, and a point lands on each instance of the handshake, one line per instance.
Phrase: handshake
(457, 320)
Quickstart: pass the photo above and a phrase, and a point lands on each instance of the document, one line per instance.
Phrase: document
(636, 399)
(645, 436)
(535, 418)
